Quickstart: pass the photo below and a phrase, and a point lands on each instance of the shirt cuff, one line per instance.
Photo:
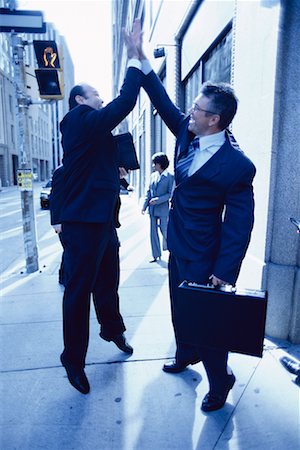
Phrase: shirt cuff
(134, 62)
(146, 66)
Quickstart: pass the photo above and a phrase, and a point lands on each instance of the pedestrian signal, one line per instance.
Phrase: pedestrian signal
(47, 54)
(49, 84)
(49, 75)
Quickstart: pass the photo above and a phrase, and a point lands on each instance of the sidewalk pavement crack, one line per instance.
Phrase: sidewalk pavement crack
(100, 363)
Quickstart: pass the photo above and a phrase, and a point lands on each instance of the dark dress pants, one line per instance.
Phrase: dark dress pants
(214, 360)
(91, 262)
(61, 271)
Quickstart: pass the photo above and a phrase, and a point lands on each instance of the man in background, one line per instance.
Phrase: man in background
(157, 200)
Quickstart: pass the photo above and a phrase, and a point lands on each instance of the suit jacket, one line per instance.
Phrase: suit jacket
(91, 181)
(57, 192)
(212, 211)
(56, 195)
(160, 187)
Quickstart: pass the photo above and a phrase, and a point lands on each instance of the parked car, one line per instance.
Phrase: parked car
(45, 194)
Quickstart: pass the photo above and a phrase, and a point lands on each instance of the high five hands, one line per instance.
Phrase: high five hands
(134, 41)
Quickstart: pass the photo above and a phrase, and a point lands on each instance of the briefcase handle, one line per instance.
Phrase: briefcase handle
(223, 288)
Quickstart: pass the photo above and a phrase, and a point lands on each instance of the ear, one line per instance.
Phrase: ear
(214, 120)
(79, 99)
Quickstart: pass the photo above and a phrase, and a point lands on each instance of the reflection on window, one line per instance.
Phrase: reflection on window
(159, 127)
(214, 66)
(217, 63)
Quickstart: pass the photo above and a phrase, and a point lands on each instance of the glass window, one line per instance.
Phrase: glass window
(10, 104)
(159, 128)
(192, 86)
(12, 132)
(215, 65)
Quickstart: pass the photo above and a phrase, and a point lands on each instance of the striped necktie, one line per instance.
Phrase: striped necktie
(183, 164)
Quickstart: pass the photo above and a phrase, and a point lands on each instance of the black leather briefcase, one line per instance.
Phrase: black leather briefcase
(224, 318)
(126, 151)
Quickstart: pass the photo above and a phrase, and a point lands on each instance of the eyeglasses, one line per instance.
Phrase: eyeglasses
(197, 108)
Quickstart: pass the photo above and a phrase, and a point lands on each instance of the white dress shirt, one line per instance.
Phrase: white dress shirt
(209, 145)
(134, 62)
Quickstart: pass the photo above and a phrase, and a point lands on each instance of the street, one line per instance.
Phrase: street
(11, 229)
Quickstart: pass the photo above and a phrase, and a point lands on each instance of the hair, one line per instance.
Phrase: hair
(76, 90)
(161, 159)
(222, 101)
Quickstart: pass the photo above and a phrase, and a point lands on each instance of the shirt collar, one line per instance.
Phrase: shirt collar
(164, 173)
(216, 139)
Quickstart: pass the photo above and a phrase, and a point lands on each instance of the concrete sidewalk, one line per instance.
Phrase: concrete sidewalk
(132, 405)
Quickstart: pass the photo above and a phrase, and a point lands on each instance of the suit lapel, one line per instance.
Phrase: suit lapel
(155, 183)
(214, 165)
(184, 140)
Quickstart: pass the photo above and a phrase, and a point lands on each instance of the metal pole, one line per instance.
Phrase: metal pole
(25, 161)
(57, 133)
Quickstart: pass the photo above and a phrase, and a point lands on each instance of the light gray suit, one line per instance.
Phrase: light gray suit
(160, 188)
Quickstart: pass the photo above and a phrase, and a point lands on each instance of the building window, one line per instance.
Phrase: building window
(159, 128)
(192, 86)
(214, 65)
(12, 132)
(217, 62)
(10, 105)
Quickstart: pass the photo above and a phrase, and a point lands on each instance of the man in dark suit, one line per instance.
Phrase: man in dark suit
(91, 192)
(55, 204)
(211, 215)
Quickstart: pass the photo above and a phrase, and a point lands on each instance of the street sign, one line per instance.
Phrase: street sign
(21, 21)
(24, 179)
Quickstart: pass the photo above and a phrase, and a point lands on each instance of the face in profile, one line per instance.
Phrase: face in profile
(201, 116)
(91, 97)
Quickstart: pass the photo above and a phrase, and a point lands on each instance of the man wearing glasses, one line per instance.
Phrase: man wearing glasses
(211, 214)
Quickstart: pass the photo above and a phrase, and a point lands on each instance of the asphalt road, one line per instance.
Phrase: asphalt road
(11, 227)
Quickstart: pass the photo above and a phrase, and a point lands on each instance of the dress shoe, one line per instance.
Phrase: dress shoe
(76, 376)
(291, 365)
(154, 260)
(212, 402)
(120, 342)
(177, 367)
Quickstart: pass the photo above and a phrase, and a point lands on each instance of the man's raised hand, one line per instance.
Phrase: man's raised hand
(133, 39)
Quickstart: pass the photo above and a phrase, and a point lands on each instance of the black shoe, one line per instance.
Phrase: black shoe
(121, 343)
(212, 402)
(154, 260)
(177, 367)
(76, 376)
(291, 365)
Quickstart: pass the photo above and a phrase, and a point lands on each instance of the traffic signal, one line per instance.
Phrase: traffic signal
(49, 74)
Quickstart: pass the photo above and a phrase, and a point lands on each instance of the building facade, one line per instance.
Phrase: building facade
(252, 45)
